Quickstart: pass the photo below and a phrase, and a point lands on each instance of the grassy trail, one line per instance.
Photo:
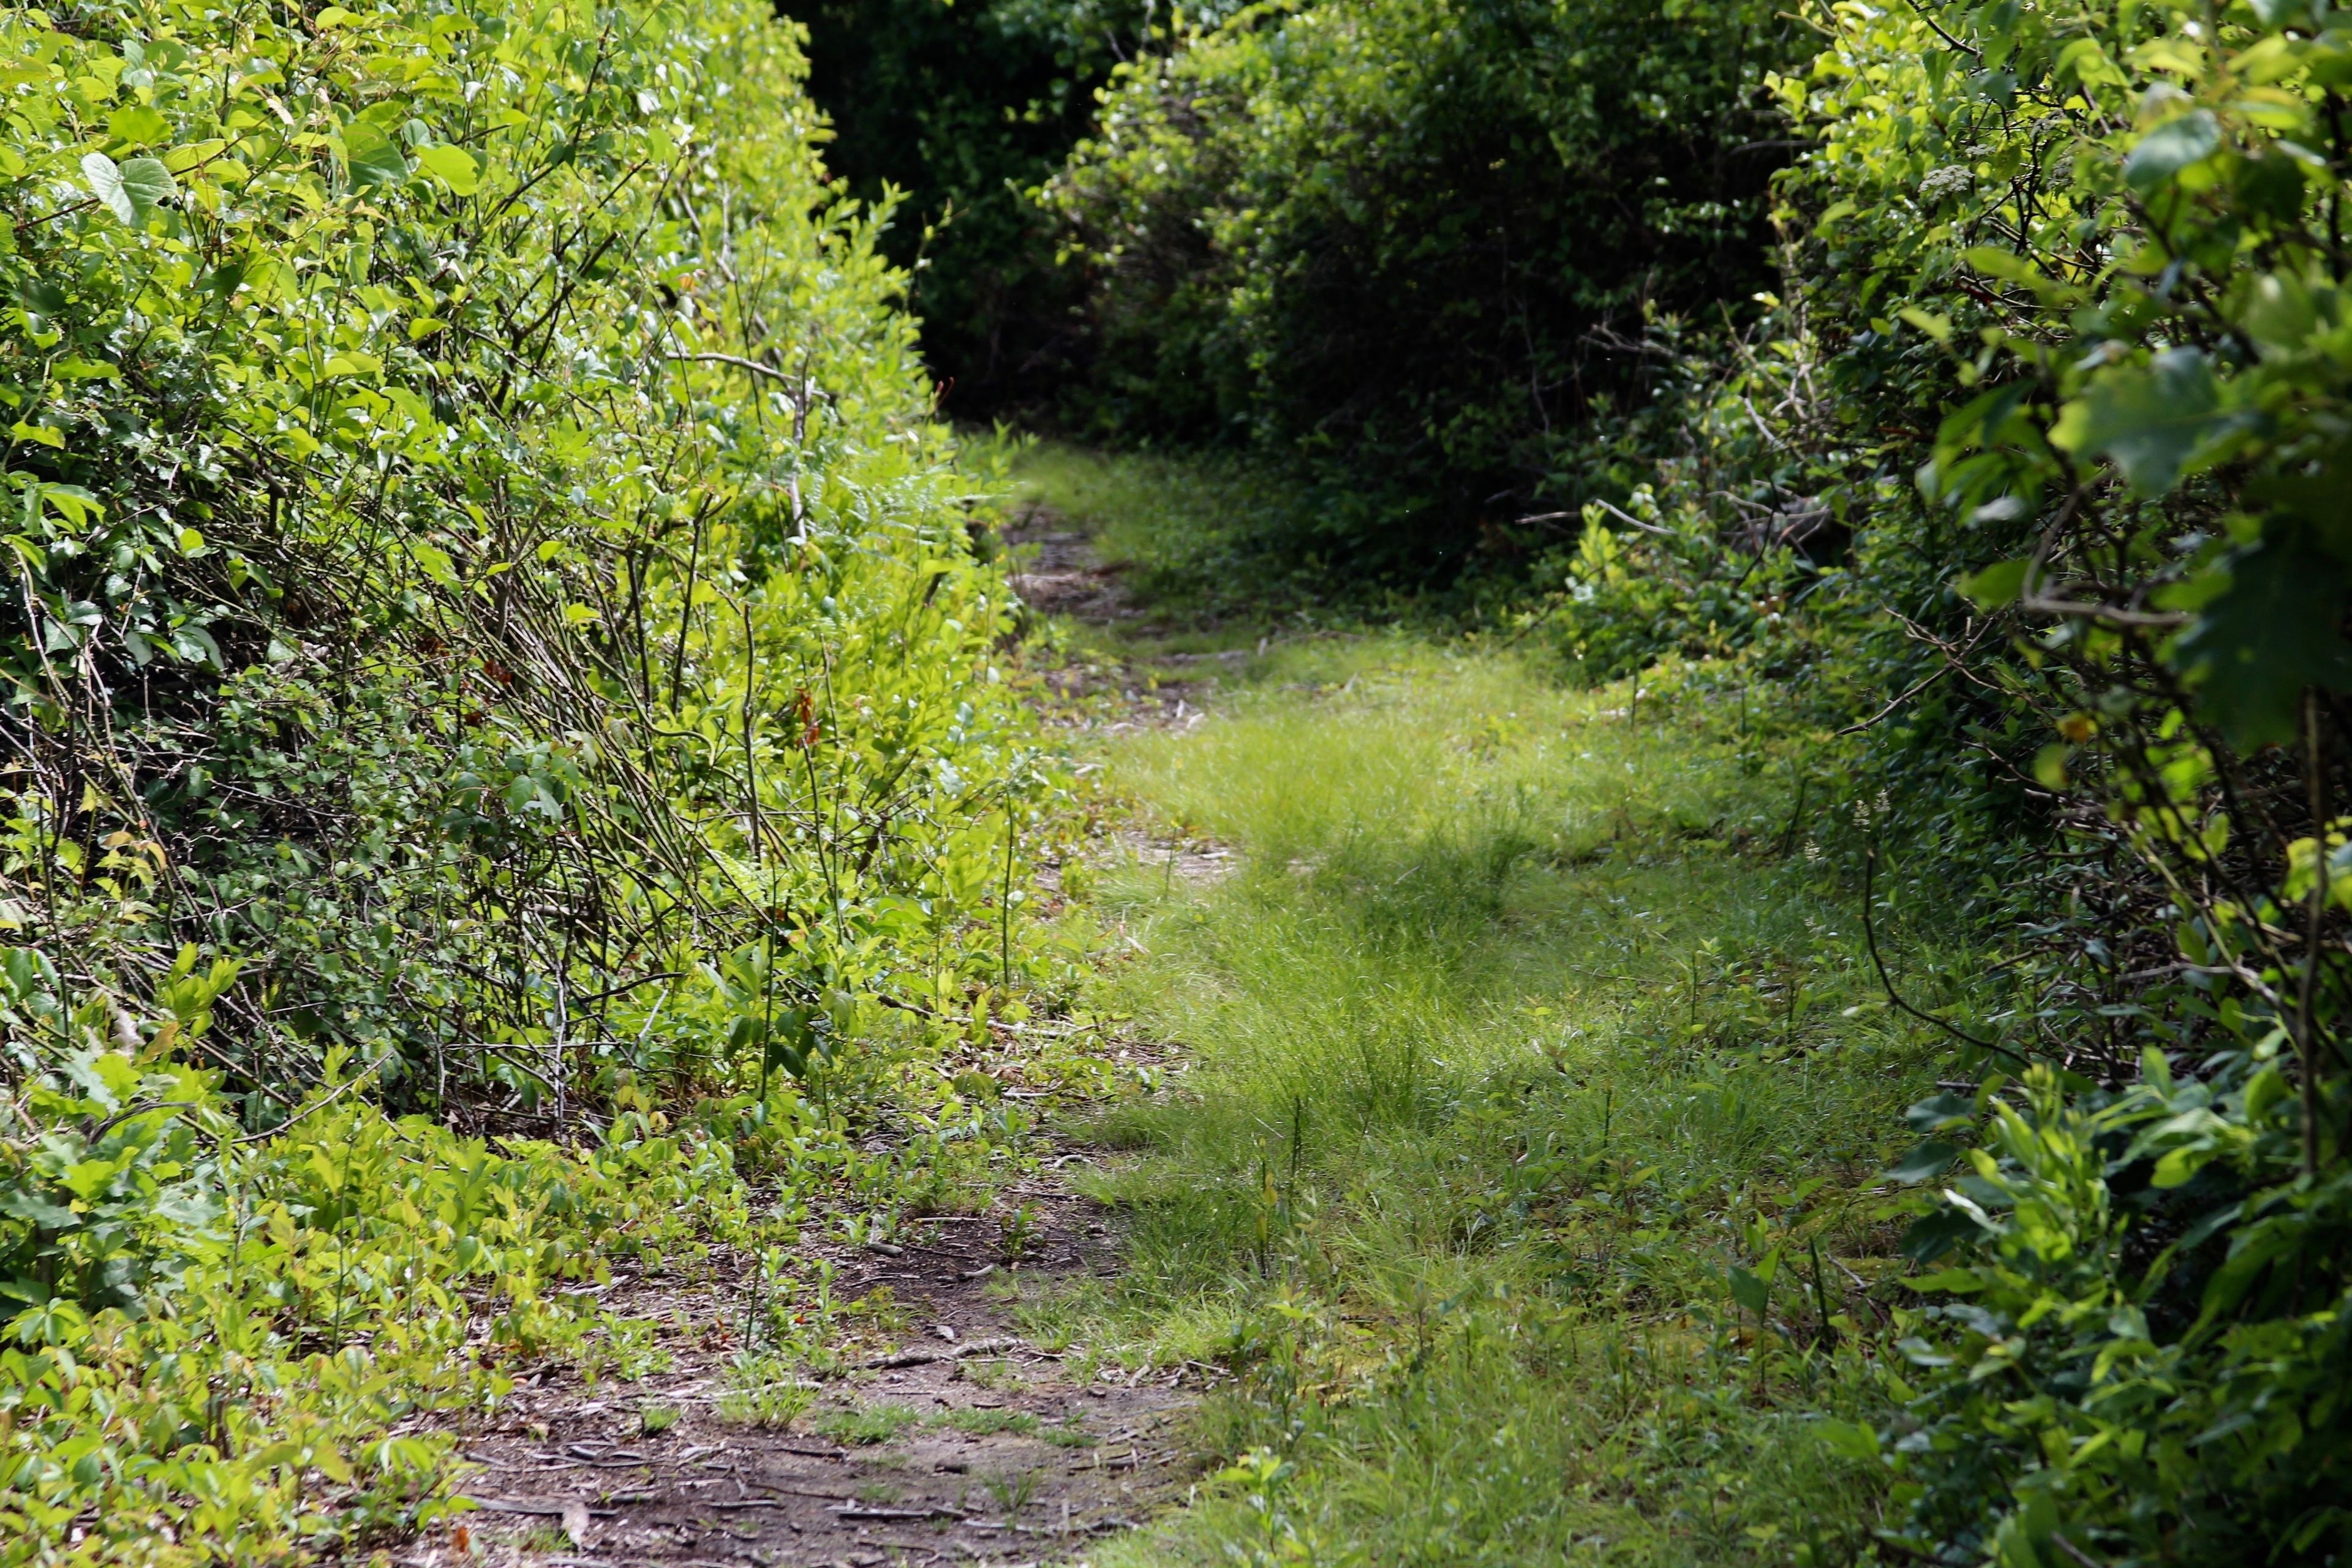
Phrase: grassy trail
(1522, 1164)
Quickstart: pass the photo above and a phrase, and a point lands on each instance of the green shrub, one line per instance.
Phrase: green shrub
(479, 544)
(1406, 238)
(2059, 346)
(966, 109)
(491, 630)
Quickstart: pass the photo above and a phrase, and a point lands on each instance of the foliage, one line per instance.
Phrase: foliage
(521, 534)
(2055, 1380)
(2055, 350)
(966, 109)
(1406, 238)
(245, 1321)
(493, 649)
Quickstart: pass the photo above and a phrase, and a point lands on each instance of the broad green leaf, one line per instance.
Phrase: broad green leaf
(104, 178)
(1998, 585)
(2171, 147)
(149, 184)
(1925, 1163)
(374, 158)
(1939, 1112)
(2270, 636)
(180, 159)
(132, 190)
(137, 125)
(453, 166)
(2155, 421)
(1847, 1439)
(1749, 1290)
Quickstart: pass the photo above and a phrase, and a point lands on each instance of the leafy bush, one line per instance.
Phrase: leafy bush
(1406, 238)
(967, 108)
(474, 535)
(2069, 1378)
(491, 630)
(2058, 347)
(258, 1314)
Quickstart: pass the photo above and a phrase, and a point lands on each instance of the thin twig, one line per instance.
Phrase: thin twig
(1870, 937)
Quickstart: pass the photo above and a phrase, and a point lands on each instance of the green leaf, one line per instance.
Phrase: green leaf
(453, 166)
(148, 184)
(1847, 1439)
(1939, 1112)
(1998, 585)
(2155, 420)
(1925, 1163)
(137, 125)
(2271, 636)
(104, 178)
(130, 190)
(2171, 147)
(376, 158)
(1750, 1290)
(1933, 1234)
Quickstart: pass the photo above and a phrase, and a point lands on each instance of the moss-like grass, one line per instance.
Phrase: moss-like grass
(1528, 1027)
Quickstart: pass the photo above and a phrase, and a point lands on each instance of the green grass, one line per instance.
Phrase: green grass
(866, 1425)
(1526, 1022)
(1178, 524)
(979, 1422)
(1069, 1436)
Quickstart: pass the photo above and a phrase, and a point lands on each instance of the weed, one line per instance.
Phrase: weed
(1018, 1234)
(993, 1372)
(655, 1419)
(625, 1348)
(1012, 1489)
(767, 1392)
(868, 1423)
(988, 1423)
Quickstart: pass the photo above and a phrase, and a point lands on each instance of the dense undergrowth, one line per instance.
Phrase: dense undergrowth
(502, 744)
(506, 728)
(2021, 483)
(1523, 1151)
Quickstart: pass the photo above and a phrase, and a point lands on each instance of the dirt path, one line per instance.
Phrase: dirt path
(959, 1442)
(982, 1450)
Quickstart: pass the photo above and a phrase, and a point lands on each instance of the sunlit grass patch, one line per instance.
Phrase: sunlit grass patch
(1525, 1022)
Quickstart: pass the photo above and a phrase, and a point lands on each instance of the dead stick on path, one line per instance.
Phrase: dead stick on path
(958, 1353)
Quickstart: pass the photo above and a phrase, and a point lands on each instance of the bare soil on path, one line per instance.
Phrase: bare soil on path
(984, 1449)
(570, 1477)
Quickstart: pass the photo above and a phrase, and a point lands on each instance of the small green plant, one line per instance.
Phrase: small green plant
(1012, 1489)
(981, 1422)
(1018, 1233)
(768, 1391)
(653, 1420)
(993, 1372)
(867, 1425)
(1068, 1435)
(880, 1312)
(627, 1347)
